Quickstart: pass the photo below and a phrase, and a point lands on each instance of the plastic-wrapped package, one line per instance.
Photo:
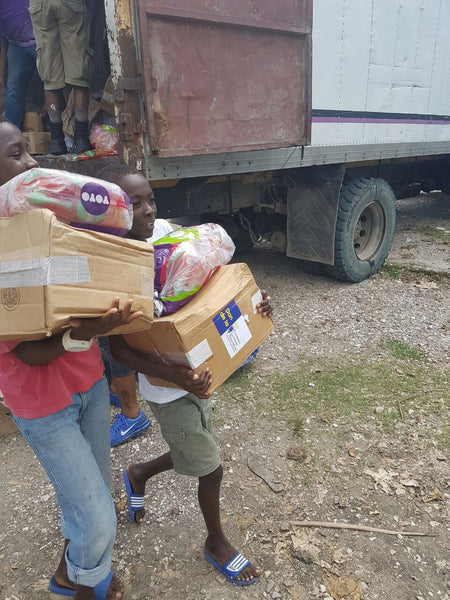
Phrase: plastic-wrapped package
(184, 261)
(75, 199)
(104, 137)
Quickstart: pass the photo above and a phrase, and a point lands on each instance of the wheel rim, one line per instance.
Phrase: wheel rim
(369, 231)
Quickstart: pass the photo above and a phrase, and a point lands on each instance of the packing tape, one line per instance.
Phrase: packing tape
(49, 270)
(197, 355)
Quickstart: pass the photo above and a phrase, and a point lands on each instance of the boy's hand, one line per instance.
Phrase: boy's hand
(86, 329)
(264, 307)
(188, 380)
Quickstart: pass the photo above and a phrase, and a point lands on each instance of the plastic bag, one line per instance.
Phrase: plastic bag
(103, 137)
(90, 154)
(75, 199)
(184, 260)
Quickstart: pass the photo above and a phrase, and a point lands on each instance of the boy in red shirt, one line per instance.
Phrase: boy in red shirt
(59, 397)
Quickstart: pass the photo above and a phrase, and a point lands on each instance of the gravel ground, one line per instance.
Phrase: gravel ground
(368, 478)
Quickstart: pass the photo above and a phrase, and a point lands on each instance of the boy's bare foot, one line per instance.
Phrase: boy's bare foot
(115, 590)
(138, 488)
(220, 550)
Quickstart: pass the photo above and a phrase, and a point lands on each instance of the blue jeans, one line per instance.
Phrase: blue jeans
(113, 369)
(73, 447)
(21, 66)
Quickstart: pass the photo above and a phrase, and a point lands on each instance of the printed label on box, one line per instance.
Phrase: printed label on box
(232, 328)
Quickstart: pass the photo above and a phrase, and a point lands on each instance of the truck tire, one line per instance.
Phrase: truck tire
(365, 229)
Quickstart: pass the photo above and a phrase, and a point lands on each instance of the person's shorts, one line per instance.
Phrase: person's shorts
(61, 29)
(113, 369)
(186, 425)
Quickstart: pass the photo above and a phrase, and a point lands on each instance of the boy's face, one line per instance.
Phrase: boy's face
(144, 208)
(14, 157)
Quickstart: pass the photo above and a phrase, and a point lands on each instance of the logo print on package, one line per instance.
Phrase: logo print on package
(94, 198)
(10, 298)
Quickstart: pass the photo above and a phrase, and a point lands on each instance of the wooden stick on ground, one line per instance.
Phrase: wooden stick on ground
(332, 525)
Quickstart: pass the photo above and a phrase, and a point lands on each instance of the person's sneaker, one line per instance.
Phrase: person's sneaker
(114, 399)
(124, 429)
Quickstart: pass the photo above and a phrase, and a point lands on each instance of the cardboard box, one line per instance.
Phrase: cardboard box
(219, 328)
(37, 143)
(32, 121)
(50, 272)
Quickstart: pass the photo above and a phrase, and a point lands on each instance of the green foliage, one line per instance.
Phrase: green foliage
(436, 233)
(393, 391)
(404, 351)
(399, 272)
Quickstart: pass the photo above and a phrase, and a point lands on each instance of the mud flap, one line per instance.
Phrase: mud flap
(312, 204)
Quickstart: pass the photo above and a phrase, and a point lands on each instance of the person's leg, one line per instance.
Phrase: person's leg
(125, 388)
(140, 473)
(69, 449)
(50, 66)
(195, 453)
(74, 40)
(131, 421)
(180, 421)
(217, 546)
(21, 66)
(53, 102)
(81, 132)
(186, 425)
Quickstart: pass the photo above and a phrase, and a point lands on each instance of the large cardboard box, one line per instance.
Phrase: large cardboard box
(50, 271)
(37, 142)
(219, 328)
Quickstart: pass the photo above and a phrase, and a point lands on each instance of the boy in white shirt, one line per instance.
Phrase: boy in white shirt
(184, 415)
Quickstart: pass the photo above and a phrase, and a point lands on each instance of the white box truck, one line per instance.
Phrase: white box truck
(293, 120)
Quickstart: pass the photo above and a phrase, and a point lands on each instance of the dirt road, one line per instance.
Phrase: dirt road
(342, 418)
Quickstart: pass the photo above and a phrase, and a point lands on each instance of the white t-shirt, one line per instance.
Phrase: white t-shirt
(154, 393)
(161, 228)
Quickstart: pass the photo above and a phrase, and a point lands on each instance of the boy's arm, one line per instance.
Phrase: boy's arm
(44, 351)
(151, 364)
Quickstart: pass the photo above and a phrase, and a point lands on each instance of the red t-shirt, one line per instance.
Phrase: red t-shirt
(38, 391)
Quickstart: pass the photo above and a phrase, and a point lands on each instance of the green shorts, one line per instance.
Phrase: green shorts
(186, 425)
(61, 29)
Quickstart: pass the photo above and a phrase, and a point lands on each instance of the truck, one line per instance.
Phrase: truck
(296, 121)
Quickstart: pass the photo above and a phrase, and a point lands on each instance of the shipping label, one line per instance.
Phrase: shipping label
(232, 328)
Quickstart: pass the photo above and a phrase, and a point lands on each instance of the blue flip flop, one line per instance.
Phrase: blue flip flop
(100, 589)
(249, 358)
(135, 502)
(233, 568)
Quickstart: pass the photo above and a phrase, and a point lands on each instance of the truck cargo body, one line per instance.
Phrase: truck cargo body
(291, 120)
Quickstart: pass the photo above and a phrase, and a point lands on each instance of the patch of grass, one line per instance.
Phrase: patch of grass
(398, 272)
(298, 426)
(404, 351)
(436, 233)
(393, 271)
(397, 394)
